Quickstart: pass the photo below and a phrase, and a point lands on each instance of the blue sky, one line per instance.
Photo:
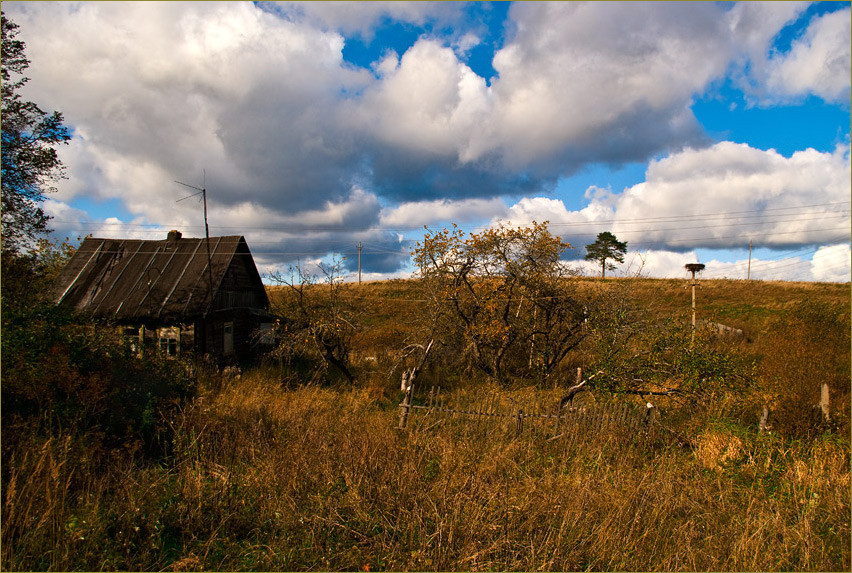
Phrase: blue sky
(687, 129)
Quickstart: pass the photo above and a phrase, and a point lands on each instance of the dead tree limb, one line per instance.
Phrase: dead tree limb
(568, 398)
(409, 375)
(764, 420)
(408, 378)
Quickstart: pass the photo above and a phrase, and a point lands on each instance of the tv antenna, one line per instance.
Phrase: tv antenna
(203, 192)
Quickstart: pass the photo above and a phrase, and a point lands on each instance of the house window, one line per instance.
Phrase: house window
(130, 336)
(228, 338)
(169, 341)
(168, 346)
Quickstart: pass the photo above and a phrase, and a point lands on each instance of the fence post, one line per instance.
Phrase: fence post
(823, 403)
(405, 407)
(764, 419)
(650, 415)
(520, 422)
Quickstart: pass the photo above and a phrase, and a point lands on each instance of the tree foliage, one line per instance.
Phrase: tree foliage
(61, 374)
(501, 299)
(30, 163)
(605, 248)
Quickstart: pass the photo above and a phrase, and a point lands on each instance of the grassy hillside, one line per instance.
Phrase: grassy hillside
(750, 305)
(267, 471)
(798, 333)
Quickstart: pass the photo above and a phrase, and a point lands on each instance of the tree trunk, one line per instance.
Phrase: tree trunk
(339, 364)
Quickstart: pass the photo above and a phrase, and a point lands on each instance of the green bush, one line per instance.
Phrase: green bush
(62, 373)
(638, 353)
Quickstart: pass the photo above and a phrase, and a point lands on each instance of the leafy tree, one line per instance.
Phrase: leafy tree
(29, 159)
(501, 299)
(606, 247)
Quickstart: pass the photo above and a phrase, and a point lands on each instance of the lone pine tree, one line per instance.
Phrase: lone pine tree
(605, 248)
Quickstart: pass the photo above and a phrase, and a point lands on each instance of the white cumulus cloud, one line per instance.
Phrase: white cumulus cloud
(819, 63)
(430, 102)
(732, 192)
(832, 264)
(417, 214)
(722, 196)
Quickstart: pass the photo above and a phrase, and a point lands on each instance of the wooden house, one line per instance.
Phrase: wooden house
(180, 294)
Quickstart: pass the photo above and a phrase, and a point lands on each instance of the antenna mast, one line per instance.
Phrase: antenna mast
(203, 192)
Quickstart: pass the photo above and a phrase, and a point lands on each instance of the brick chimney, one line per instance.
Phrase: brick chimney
(173, 235)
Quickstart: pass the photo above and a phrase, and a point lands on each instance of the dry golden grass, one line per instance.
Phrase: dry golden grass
(318, 479)
(714, 449)
(266, 477)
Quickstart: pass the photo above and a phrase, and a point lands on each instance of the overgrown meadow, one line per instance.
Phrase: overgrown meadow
(116, 463)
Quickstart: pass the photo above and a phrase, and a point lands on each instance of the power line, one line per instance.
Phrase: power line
(787, 254)
(773, 267)
(782, 216)
(662, 242)
(646, 242)
(663, 219)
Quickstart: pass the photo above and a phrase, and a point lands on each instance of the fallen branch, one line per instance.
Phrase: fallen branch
(568, 398)
(667, 392)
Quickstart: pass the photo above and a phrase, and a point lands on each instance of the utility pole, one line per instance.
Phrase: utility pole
(749, 261)
(359, 263)
(694, 268)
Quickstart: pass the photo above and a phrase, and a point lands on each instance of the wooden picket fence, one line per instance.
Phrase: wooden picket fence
(521, 414)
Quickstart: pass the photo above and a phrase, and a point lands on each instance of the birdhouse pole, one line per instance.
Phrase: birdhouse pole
(693, 303)
(694, 268)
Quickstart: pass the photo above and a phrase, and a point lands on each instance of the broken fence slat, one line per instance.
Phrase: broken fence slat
(594, 418)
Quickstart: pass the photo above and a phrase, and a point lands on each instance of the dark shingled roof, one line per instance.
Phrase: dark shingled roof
(162, 281)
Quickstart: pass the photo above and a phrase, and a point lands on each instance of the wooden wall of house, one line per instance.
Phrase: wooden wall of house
(203, 337)
(244, 331)
(239, 288)
(187, 339)
(211, 339)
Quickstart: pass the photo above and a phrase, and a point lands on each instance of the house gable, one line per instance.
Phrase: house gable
(241, 286)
